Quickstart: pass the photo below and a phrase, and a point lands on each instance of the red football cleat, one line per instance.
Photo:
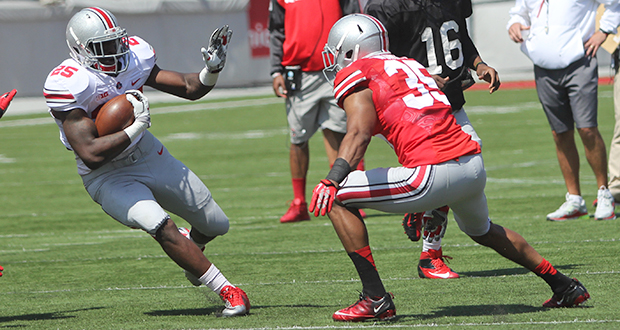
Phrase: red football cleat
(574, 295)
(237, 302)
(431, 265)
(298, 211)
(367, 309)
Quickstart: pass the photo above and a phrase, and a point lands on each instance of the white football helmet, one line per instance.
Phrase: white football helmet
(353, 37)
(96, 41)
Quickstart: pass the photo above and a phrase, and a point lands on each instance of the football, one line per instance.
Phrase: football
(115, 115)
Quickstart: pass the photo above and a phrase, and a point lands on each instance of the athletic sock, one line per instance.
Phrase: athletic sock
(214, 279)
(299, 189)
(556, 280)
(365, 265)
(435, 245)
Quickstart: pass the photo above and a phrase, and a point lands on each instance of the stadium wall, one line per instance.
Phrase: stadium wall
(33, 37)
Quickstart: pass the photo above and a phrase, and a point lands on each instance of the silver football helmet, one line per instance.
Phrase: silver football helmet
(352, 37)
(96, 41)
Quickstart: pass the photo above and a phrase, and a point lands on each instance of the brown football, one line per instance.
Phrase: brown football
(114, 115)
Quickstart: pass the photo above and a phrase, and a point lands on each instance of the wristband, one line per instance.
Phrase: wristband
(275, 74)
(476, 66)
(135, 129)
(207, 78)
(339, 171)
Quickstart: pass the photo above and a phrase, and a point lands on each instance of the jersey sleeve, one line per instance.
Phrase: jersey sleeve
(347, 81)
(68, 87)
(143, 50)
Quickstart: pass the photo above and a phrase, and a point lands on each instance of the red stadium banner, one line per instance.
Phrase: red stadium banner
(258, 13)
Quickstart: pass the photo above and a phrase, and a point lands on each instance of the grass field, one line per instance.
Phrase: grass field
(69, 266)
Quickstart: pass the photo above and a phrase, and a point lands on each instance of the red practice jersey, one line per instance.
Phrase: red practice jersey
(414, 115)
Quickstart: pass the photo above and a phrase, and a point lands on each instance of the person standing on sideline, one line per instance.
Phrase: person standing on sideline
(398, 100)
(130, 173)
(614, 148)
(298, 30)
(561, 41)
(434, 33)
(5, 100)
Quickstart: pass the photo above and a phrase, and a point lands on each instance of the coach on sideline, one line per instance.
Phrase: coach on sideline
(562, 44)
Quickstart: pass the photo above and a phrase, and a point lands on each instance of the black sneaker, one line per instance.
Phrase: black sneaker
(574, 295)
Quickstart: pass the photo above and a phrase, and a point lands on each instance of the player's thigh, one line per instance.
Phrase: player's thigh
(461, 184)
(180, 191)
(128, 201)
(391, 190)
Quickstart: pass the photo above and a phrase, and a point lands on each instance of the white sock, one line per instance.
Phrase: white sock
(214, 279)
(436, 245)
(575, 198)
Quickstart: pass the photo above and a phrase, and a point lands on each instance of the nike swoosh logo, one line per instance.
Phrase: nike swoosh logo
(135, 82)
(376, 309)
(161, 151)
(442, 275)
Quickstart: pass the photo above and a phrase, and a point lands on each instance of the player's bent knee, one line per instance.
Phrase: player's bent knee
(147, 215)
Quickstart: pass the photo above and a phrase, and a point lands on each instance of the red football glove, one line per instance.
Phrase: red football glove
(5, 100)
(323, 197)
(1, 269)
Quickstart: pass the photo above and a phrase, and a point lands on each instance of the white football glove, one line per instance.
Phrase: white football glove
(215, 55)
(141, 113)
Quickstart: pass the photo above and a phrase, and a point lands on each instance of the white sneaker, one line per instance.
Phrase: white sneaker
(573, 208)
(605, 205)
(190, 277)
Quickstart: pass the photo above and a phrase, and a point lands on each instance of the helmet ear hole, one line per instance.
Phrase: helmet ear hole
(349, 54)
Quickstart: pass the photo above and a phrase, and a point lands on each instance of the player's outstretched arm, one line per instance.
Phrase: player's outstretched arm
(193, 86)
(5, 100)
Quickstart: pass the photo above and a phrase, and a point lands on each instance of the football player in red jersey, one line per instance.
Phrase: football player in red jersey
(130, 173)
(434, 33)
(396, 98)
(5, 100)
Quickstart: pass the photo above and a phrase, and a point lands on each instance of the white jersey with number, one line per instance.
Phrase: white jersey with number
(72, 86)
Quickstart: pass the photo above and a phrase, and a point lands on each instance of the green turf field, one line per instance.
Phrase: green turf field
(69, 266)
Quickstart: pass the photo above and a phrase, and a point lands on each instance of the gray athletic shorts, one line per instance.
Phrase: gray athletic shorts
(137, 189)
(456, 183)
(313, 107)
(569, 96)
